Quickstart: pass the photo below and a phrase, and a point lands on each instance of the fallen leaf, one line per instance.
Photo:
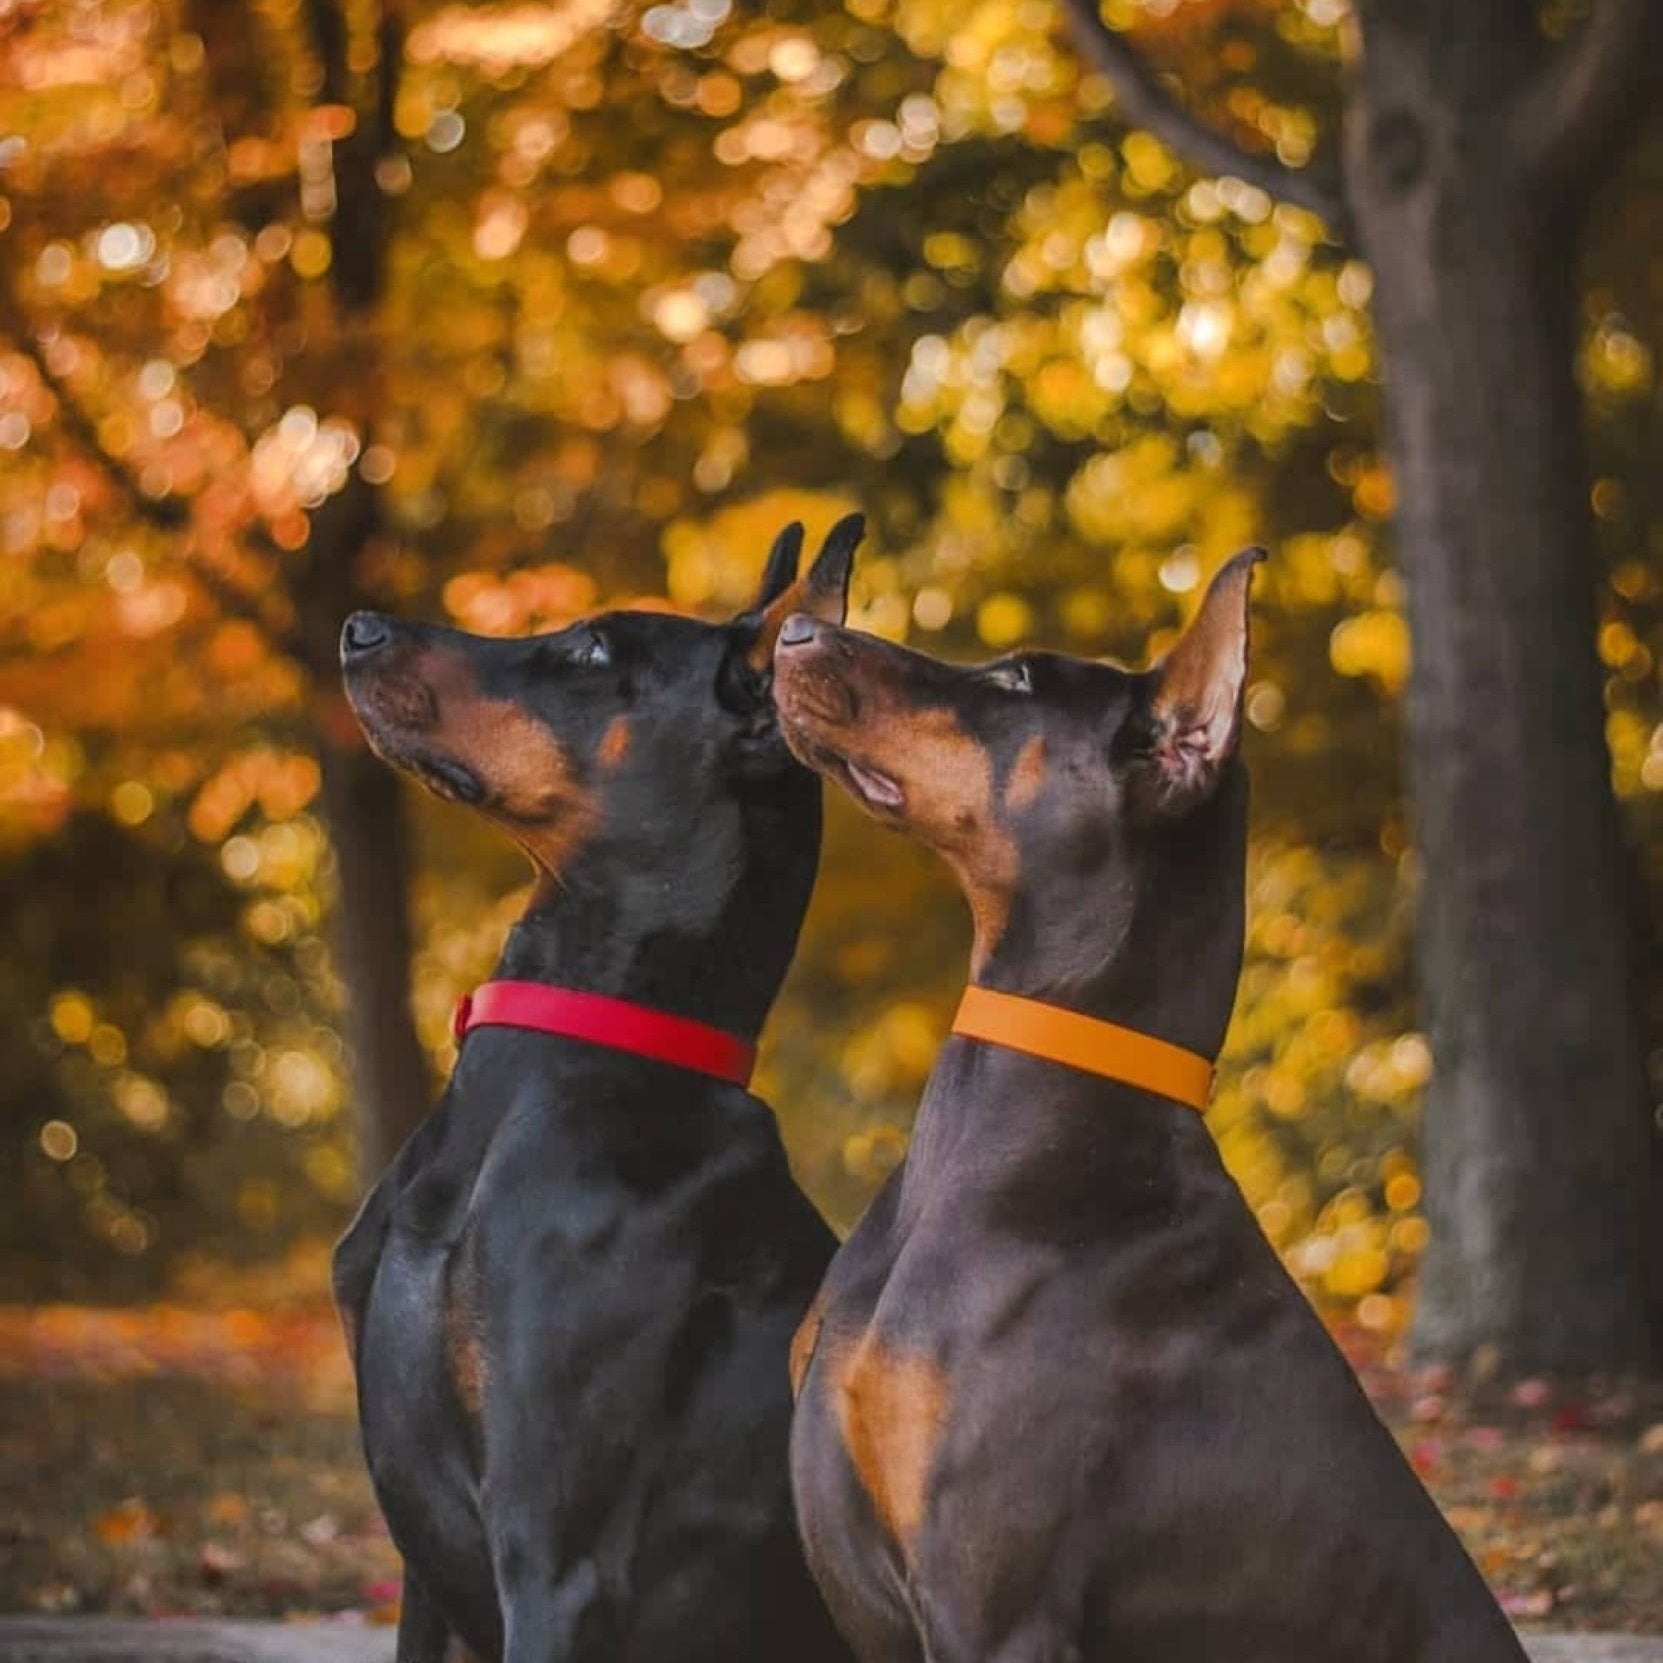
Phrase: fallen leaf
(227, 1508)
(217, 1561)
(132, 1521)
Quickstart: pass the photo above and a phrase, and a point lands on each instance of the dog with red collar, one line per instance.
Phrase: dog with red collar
(1059, 1401)
(570, 1299)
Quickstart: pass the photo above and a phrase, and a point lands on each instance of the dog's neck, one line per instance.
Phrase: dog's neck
(1152, 942)
(1160, 954)
(707, 934)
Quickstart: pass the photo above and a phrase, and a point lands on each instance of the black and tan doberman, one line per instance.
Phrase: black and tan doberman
(1060, 1402)
(570, 1299)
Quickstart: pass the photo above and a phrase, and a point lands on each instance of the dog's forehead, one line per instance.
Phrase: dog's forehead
(1087, 675)
(651, 639)
(1088, 689)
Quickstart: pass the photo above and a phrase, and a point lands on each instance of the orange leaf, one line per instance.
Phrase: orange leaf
(132, 1521)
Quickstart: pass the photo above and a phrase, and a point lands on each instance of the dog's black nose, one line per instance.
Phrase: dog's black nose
(798, 630)
(364, 633)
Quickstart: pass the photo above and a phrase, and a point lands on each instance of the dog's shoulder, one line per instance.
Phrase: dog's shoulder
(358, 1252)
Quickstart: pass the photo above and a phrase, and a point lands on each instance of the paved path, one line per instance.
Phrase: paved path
(1595, 1648)
(98, 1640)
(102, 1640)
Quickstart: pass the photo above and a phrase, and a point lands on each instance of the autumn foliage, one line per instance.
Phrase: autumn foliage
(500, 313)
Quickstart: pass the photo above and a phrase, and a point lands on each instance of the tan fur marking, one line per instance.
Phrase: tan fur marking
(430, 702)
(945, 776)
(531, 788)
(1027, 778)
(614, 745)
(891, 1410)
(463, 1339)
(804, 1341)
(805, 595)
(949, 791)
(526, 771)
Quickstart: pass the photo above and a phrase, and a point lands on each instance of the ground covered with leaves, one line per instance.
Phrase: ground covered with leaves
(165, 1461)
(171, 1461)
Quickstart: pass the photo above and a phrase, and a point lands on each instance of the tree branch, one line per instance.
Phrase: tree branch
(165, 513)
(327, 29)
(1146, 102)
(236, 603)
(364, 211)
(1585, 101)
(171, 514)
(361, 219)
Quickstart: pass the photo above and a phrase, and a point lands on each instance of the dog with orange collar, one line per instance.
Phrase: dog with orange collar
(1058, 1401)
(570, 1299)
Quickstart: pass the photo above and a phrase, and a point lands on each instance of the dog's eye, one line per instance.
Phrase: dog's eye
(1014, 677)
(591, 649)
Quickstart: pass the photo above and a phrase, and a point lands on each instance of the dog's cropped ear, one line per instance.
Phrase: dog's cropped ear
(781, 570)
(823, 590)
(1192, 721)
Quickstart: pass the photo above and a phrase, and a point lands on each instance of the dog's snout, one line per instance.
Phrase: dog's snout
(365, 633)
(798, 630)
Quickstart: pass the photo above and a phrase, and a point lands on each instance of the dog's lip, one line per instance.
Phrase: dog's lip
(446, 777)
(395, 711)
(874, 788)
(806, 685)
(443, 775)
(390, 701)
(821, 698)
(808, 704)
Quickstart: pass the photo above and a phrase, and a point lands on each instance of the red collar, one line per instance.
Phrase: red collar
(603, 1021)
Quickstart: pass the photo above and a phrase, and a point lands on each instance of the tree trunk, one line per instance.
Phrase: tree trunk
(363, 802)
(1536, 1127)
(364, 805)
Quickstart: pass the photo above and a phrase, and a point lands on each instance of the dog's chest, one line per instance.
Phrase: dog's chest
(414, 1377)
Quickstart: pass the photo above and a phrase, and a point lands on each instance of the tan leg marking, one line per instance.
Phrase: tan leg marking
(891, 1410)
(804, 1341)
(464, 1332)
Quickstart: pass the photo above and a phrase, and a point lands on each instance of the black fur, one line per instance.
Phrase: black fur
(573, 1292)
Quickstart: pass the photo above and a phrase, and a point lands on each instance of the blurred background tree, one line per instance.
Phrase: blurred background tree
(500, 312)
(1473, 143)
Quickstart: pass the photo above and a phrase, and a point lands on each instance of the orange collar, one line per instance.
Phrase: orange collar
(1083, 1042)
